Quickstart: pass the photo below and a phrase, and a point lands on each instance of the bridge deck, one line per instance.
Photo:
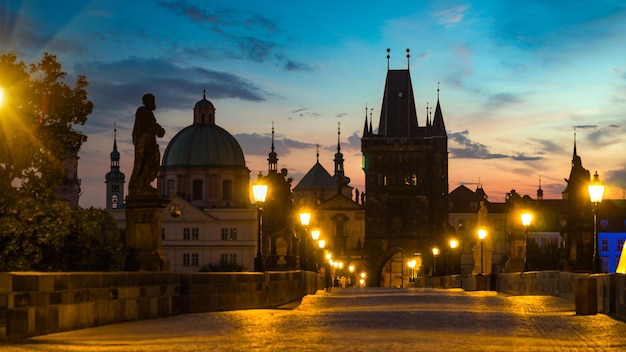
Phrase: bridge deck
(371, 319)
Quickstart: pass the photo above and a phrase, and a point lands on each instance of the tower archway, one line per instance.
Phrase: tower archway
(391, 269)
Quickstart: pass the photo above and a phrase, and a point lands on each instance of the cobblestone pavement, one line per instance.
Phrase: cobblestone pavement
(372, 319)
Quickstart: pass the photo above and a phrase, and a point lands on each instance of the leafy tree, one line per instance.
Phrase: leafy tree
(37, 115)
(37, 231)
(543, 258)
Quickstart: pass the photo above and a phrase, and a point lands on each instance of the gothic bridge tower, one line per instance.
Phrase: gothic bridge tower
(406, 183)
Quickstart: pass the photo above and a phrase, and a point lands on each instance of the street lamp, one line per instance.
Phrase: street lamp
(259, 191)
(453, 245)
(305, 219)
(482, 233)
(435, 254)
(596, 191)
(315, 235)
(527, 218)
(411, 265)
(1, 95)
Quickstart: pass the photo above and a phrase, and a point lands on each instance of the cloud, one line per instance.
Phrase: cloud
(118, 86)
(451, 15)
(467, 149)
(502, 99)
(260, 144)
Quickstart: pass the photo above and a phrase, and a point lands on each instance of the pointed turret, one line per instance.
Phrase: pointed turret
(340, 177)
(272, 156)
(438, 126)
(114, 179)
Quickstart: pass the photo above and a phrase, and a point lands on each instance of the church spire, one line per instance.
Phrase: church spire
(114, 179)
(272, 156)
(439, 127)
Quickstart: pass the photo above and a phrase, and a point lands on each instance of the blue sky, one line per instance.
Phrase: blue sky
(516, 79)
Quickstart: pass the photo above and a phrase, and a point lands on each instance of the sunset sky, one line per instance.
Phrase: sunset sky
(517, 79)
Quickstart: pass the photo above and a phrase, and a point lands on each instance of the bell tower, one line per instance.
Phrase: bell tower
(115, 179)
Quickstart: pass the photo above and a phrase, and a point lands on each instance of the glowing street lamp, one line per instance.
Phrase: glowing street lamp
(596, 191)
(435, 254)
(453, 245)
(259, 191)
(305, 219)
(411, 265)
(1, 95)
(527, 218)
(315, 235)
(482, 234)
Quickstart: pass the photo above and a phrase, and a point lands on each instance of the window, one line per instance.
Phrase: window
(186, 259)
(114, 201)
(620, 244)
(197, 189)
(195, 259)
(195, 233)
(605, 245)
(227, 190)
(186, 232)
(232, 258)
(224, 258)
(115, 188)
(229, 234)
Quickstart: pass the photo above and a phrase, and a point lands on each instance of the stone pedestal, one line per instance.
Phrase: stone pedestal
(487, 259)
(143, 233)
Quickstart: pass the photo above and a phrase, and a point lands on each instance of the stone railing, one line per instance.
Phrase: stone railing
(33, 303)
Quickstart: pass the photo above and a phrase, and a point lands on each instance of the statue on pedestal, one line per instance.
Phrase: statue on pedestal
(144, 204)
(147, 156)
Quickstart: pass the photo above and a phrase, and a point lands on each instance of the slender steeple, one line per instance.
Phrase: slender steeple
(366, 132)
(114, 179)
(539, 190)
(439, 128)
(272, 156)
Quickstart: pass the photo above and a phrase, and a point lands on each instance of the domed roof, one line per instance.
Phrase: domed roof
(206, 145)
(204, 104)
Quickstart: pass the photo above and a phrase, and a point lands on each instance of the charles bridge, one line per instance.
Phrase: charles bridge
(38, 304)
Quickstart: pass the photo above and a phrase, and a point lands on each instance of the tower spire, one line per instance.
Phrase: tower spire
(408, 57)
(317, 152)
(388, 56)
(272, 156)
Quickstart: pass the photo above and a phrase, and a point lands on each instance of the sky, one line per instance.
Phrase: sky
(518, 81)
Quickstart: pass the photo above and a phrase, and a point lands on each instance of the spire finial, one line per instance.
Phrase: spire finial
(317, 152)
(438, 90)
(575, 141)
(388, 56)
(338, 134)
(408, 57)
(539, 181)
(204, 93)
(272, 136)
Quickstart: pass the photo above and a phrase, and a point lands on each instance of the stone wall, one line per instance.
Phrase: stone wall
(33, 303)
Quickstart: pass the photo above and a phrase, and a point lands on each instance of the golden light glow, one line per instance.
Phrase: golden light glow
(260, 192)
(412, 263)
(363, 275)
(329, 256)
(435, 251)
(454, 243)
(596, 189)
(527, 218)
(1, 95)
(351, 268)
(315, 234)
(321, 244)
(482, 233)
(305, 218)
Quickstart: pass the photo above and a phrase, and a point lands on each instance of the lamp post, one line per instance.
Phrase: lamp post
(482, 233)
(435, 254)
(596, 191)
(527, 218)
(315, 235)
(305, 219)
(260, 191)
(453, 245)
(411, 265)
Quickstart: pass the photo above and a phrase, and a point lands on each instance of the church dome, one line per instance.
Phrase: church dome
(203, 145)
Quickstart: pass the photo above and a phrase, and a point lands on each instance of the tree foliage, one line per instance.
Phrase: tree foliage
(38, 113)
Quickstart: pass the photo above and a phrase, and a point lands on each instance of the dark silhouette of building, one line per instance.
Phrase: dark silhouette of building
(115, 179)
(406, 181)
